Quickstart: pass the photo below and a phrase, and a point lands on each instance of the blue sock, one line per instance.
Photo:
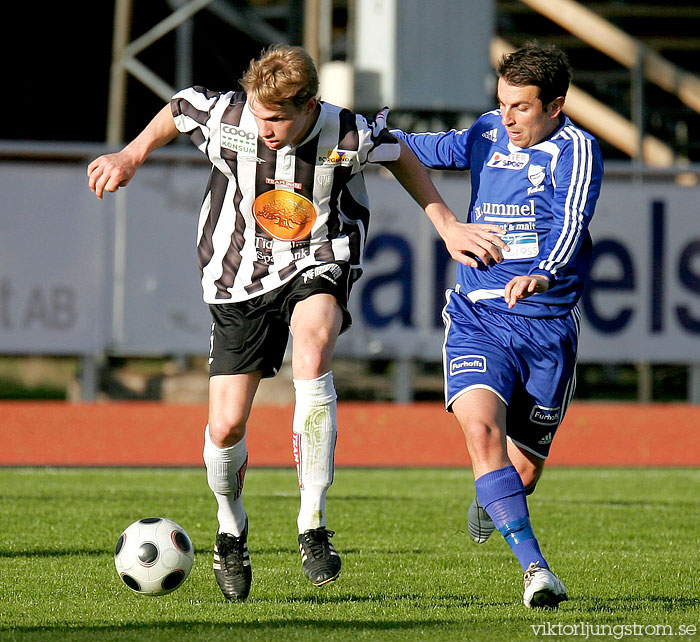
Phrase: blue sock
(502, 494)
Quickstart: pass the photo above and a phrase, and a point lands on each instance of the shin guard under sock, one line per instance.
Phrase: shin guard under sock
(502, 494)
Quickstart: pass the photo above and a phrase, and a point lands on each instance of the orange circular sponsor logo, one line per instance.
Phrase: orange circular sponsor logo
(284, 215)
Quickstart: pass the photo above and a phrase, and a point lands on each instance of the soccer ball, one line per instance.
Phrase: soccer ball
(154, 556)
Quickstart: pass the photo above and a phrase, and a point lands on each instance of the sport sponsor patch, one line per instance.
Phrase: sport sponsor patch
(283, 183)
(502, 212)
(514, 160)
(336, 157)
(545, 416)
(296, 450)
(284, 215)
(240, 477)
(521, 245)
(239, 140)
(468, 363)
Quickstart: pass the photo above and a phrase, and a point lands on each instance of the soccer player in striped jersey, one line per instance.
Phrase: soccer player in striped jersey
(511, 328)
(280, 240)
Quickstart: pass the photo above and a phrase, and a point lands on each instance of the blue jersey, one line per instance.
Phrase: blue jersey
(543, 196)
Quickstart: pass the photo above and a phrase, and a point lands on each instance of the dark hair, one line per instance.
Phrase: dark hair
(281, 75)
(544, 67)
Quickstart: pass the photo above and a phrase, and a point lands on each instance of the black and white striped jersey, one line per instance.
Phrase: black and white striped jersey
(269, 214)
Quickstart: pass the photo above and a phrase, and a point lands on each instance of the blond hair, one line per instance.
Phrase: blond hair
(281, 75)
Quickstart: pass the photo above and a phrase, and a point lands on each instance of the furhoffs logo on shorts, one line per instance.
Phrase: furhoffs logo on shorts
(468, 363)
(545, 416)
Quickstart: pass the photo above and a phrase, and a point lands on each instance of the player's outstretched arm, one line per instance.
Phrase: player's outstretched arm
(110, 172)
(463, 241)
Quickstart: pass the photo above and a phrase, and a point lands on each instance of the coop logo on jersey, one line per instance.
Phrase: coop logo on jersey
(545, 416)
(535, 174)
(335, 157)
(514, 160)
(239, 140)
(468, 363)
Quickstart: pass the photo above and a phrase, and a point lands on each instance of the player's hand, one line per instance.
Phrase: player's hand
(379, 124)
(468, 241)
(110, 172)
(521, 287)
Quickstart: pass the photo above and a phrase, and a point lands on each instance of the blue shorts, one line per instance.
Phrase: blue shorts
(530, 363)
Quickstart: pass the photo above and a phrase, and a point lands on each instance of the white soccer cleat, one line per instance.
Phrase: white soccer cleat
(542, 587)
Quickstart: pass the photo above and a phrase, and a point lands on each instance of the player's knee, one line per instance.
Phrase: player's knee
(226, 466)
(483, 437)
(309, 364)
(530, 475)
(226, 430)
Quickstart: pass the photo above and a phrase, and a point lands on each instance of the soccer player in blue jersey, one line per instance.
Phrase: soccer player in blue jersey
(511, 327)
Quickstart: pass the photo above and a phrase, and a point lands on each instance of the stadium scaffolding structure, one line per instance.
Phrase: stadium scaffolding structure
(312, 19)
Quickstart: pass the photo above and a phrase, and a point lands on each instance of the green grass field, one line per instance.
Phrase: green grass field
(625, 542)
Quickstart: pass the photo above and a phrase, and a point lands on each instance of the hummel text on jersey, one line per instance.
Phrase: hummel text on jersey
(504, 209)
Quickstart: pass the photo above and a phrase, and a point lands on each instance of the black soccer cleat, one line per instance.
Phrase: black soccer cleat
(232, 565)
(319, 559)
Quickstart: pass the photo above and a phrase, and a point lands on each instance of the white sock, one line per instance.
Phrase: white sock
(314, 432)
(225, 474)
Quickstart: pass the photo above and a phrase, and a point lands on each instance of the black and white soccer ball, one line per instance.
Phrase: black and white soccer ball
(154, 556)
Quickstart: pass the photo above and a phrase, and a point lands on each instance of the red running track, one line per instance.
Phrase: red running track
(370, 434)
